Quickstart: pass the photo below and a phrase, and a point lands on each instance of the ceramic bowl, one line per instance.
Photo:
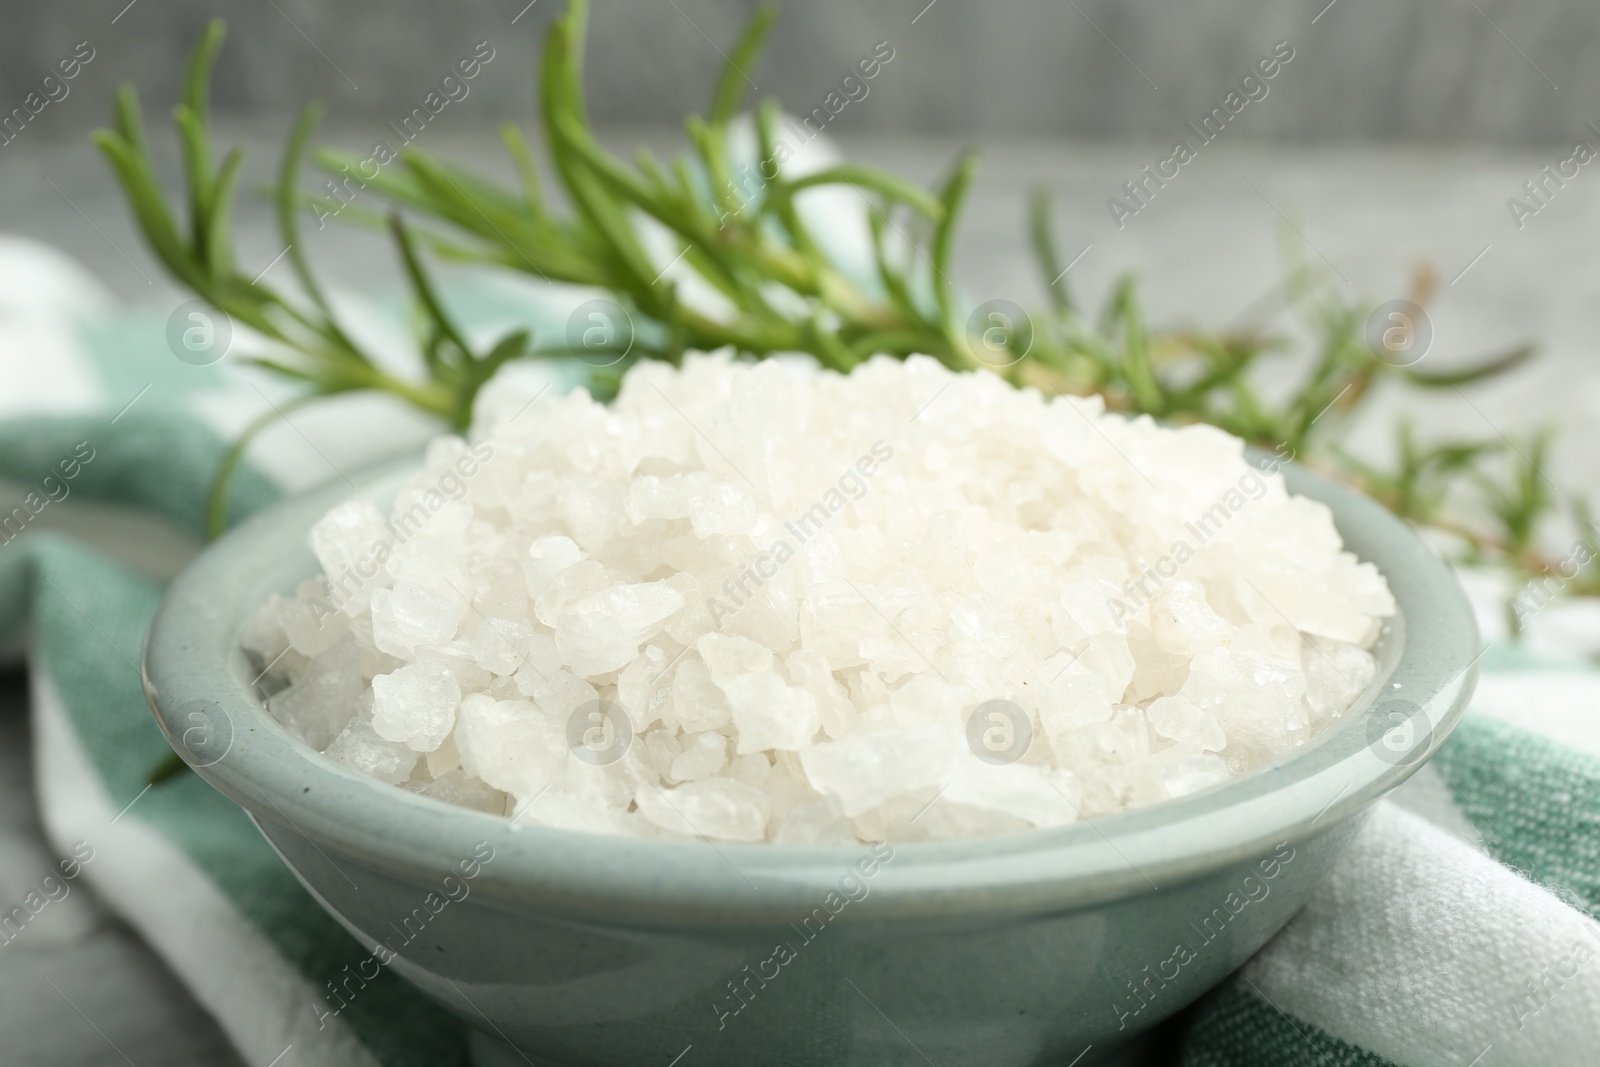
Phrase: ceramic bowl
(577, 949)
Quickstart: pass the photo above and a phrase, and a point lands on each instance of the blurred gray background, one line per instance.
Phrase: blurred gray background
(1432, 70)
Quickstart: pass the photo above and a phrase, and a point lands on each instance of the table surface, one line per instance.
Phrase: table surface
(1205, 247)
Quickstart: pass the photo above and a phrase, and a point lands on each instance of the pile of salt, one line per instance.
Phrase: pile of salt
(770, 603)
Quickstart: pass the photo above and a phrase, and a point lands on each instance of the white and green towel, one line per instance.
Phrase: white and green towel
(1457, 930)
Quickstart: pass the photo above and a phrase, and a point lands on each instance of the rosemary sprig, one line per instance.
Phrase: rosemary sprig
(315, 349)
(745, 234)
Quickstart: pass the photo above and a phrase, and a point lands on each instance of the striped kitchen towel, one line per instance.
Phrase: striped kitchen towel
(1458, 929)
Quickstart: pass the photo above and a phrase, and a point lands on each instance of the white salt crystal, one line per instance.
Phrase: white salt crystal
(498, 644)
(1257, 700)
(703, 755)
(548, 557)
(644, 687)
(594, 644)
(661, 747)
(501, 589)
(1184, 771)
(1033, 795)
(570, 585)
(320, 703)
(639, 608)
(818, 823)
(792, 588)
(444, 759)
(591, 508)
(351, 542)
(1183, 622)
(652, 497)
(433, 539)
(1124, 738)
(719, 808)
(359, 747)
(771, 714)
(939, 821)
(1158, 672)
(726, 655)
(264, 637)
(415, 705)
(1108, 658)
(753, 768)
(809, 670)
(460, 788)
(721, 507)
(1071, 699)
(557, 692)
(605, 786)
(697, 703)
(457, 658)
(312, 626)
(1336, 674)
(863, 770)
(1275, 593)
(1090, 591)
(1180, 719)
(409, 615)
(540, 662)
(510, 744)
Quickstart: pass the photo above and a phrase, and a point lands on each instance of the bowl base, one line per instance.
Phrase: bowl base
(489, 1051)
(1153, 1049)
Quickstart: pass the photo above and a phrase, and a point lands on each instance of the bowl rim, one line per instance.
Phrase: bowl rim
(198, 681)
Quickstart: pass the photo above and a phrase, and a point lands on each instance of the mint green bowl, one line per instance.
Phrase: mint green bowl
(592, 951)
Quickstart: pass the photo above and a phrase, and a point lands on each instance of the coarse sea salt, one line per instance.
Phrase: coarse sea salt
(765, 602)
